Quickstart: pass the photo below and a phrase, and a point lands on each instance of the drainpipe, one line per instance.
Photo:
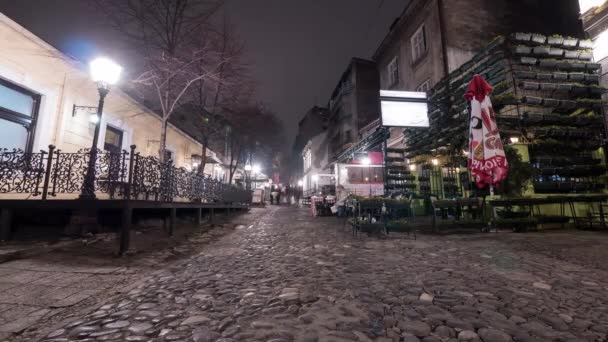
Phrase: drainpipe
(444, 44)
(57, 138)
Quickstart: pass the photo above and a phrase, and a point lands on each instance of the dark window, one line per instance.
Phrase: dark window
(393, 72)
(18, 112)
(418, 44)
(348, 137)
(358, 175)
(168, 155)
(113, 140)
(425, 86)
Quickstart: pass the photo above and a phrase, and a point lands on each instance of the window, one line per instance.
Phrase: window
(425, 86)
(393, 72)
(418, 42)
(18, 111)
(168, 155)
(307, 160)
(113, 140)
(358, 175)
(348, 137)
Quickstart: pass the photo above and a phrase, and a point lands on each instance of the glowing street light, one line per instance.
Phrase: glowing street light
(104, 70)
(248, 169)
(105, 73)
(367, 161)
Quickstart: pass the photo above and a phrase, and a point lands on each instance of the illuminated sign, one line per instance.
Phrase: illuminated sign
(404, 109)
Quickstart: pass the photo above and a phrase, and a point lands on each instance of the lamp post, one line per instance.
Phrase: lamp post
(256, 172)
(219, 173)
(367, 161)
(248, 169)
(105, 73)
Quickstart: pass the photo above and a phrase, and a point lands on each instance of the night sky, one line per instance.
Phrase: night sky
(297, 48)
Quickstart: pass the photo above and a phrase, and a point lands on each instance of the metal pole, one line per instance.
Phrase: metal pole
(47, 173)
(88, 187)
(369, 180)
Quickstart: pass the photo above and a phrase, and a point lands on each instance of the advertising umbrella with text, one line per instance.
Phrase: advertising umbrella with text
(487, 160)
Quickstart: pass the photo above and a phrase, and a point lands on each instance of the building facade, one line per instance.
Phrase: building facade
(46, 98)
(433, 38)
(594, 14)
(353, 105)
(313, 123)
(316, 171)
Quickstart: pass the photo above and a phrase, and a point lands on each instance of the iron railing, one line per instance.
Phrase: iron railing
(123, 175)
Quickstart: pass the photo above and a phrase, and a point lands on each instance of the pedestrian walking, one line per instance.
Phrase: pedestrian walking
(274, 195)
(280, 191)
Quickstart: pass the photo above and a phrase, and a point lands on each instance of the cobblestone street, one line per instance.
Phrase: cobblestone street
(288, 277)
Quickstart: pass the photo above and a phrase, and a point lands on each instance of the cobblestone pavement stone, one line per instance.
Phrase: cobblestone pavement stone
(288, 277)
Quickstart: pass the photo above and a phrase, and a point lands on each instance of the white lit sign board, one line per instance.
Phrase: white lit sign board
(586, 5)
(404, 109)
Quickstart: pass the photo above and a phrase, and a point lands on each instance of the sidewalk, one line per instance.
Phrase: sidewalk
(48, 283)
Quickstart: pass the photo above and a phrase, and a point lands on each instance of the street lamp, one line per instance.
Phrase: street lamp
(256, 172)
(248, 169)
(367, 161)
(105, 73)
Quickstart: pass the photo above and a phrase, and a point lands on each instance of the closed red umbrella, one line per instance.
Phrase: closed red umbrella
(487, 160)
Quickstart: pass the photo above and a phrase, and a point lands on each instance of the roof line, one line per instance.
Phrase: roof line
(394, 27)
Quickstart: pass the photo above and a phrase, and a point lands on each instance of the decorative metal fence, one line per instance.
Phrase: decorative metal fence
(125, 175)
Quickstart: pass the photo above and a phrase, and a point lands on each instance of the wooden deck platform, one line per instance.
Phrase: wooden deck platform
(9, 206)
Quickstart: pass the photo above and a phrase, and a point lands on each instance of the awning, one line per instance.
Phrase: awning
(208, 159)
(369, 142)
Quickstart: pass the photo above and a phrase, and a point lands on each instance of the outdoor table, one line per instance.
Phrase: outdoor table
(459, 205)
(564, 201)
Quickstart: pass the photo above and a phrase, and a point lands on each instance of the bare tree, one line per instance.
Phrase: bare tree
(230, 86)
(166, 35)
(254, 130)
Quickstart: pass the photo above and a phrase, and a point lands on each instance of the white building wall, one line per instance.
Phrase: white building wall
(29, 62)
(317, 148)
